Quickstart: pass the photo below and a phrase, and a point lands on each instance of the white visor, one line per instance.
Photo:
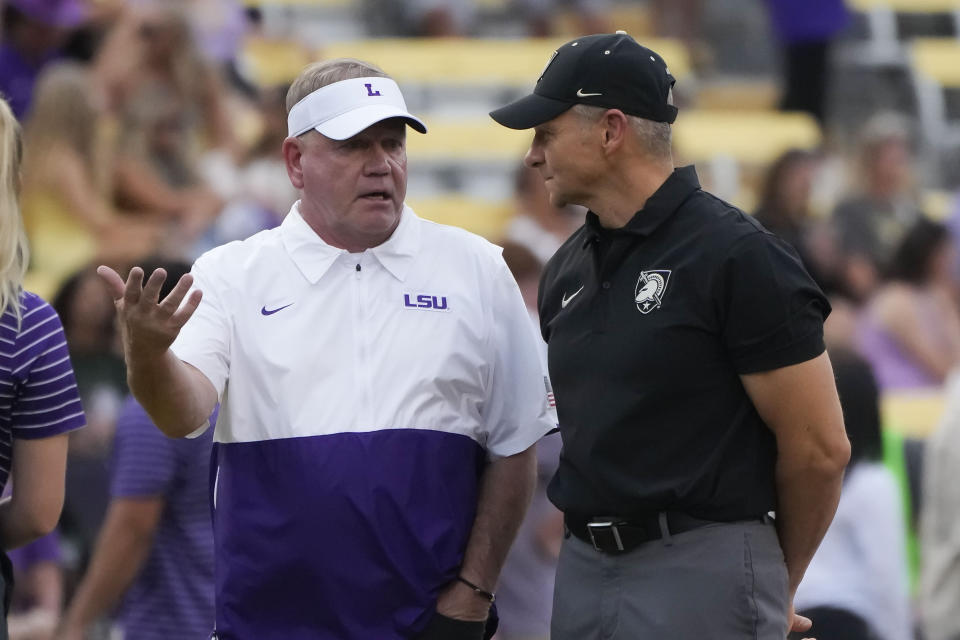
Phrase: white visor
(343, 109)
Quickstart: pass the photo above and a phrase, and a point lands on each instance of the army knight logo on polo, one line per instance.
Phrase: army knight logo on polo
(651, 286)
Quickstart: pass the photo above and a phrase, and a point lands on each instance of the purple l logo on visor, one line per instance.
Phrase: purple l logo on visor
(370, 91)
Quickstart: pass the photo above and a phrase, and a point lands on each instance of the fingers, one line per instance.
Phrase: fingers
(171, 303)
(113, 281)
(134, 287)
(151, 290)
(183, 313)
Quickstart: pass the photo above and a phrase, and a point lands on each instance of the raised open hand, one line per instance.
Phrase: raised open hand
(149, 325)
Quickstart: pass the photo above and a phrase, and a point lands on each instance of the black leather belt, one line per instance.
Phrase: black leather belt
(617, 535)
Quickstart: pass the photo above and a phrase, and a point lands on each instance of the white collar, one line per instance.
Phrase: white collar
(314, 257)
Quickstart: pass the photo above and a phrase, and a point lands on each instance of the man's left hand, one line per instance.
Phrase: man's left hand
(460, 602)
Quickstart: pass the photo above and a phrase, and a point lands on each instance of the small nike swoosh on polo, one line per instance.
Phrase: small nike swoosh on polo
(565, 301)
(270, 312)
(581, 94)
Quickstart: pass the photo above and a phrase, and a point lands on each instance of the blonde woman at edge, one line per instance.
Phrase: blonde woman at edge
(39, 402)
(67, 207)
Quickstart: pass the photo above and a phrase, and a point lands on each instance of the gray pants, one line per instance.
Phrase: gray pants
(725, 581)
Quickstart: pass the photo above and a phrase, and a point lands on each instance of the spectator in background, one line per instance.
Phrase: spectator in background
(540, 15)
(538, 224)
(66, 174)
(34, 31)
(953, 225)
(158, 169)
(526, 268)
(87, 313)
(421, 18)
(855, 588)
(910, 331)
(806, 30)
(85, 40)
(785, 210)
(218, 26)
(156, 546)
(38, 596)
(40, 403)
(449, 18)
(152, 49)
(940, 524)
(871, 222)
(525, 600)
(683, 20)
(259, 194)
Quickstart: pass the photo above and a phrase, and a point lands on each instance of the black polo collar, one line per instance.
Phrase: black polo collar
(660, 206)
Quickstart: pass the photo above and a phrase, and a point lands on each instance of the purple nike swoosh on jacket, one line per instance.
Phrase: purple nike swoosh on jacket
(270, 312)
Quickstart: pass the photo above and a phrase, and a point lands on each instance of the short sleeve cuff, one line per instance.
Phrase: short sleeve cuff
(211, 366)
(70, 423)
(801, 350)
(522, 439)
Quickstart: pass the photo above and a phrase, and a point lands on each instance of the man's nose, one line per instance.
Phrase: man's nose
(377, 161)
(533, 157)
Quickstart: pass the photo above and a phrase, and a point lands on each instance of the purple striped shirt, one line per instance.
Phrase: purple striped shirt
(172, 597)
(38, 391)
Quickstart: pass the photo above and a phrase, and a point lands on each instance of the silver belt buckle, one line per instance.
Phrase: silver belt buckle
(600, 527)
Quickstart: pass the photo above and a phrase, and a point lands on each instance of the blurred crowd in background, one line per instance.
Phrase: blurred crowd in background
(153, 131)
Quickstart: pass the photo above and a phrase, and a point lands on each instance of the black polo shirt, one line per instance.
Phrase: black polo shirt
(649, 327)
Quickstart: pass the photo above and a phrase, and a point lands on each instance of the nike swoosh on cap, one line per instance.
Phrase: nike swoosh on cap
(581, 94)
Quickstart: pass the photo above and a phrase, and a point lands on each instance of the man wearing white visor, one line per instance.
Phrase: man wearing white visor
(379, 384)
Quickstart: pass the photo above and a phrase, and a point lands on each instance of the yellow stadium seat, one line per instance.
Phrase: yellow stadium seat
(738, 95)
(477, 139)
(938, 59)
(633, 18)
(907, 6)
(754, 138)
(732, 148)
(270, 63)
(297, 3)
(913, 413)
(43, 284)
(493, 5)
(488, 219)
(475, 61)
(938, 205)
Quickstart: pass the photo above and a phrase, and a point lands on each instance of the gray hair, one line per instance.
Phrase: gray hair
(321, 74)
(656, 137)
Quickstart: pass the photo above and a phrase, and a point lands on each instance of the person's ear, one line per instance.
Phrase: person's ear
(614, 128)
(293, 159)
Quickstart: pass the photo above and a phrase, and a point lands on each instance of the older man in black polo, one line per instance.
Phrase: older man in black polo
(703, 442)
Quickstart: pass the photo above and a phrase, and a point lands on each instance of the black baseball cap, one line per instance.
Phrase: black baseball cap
(609, 70)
